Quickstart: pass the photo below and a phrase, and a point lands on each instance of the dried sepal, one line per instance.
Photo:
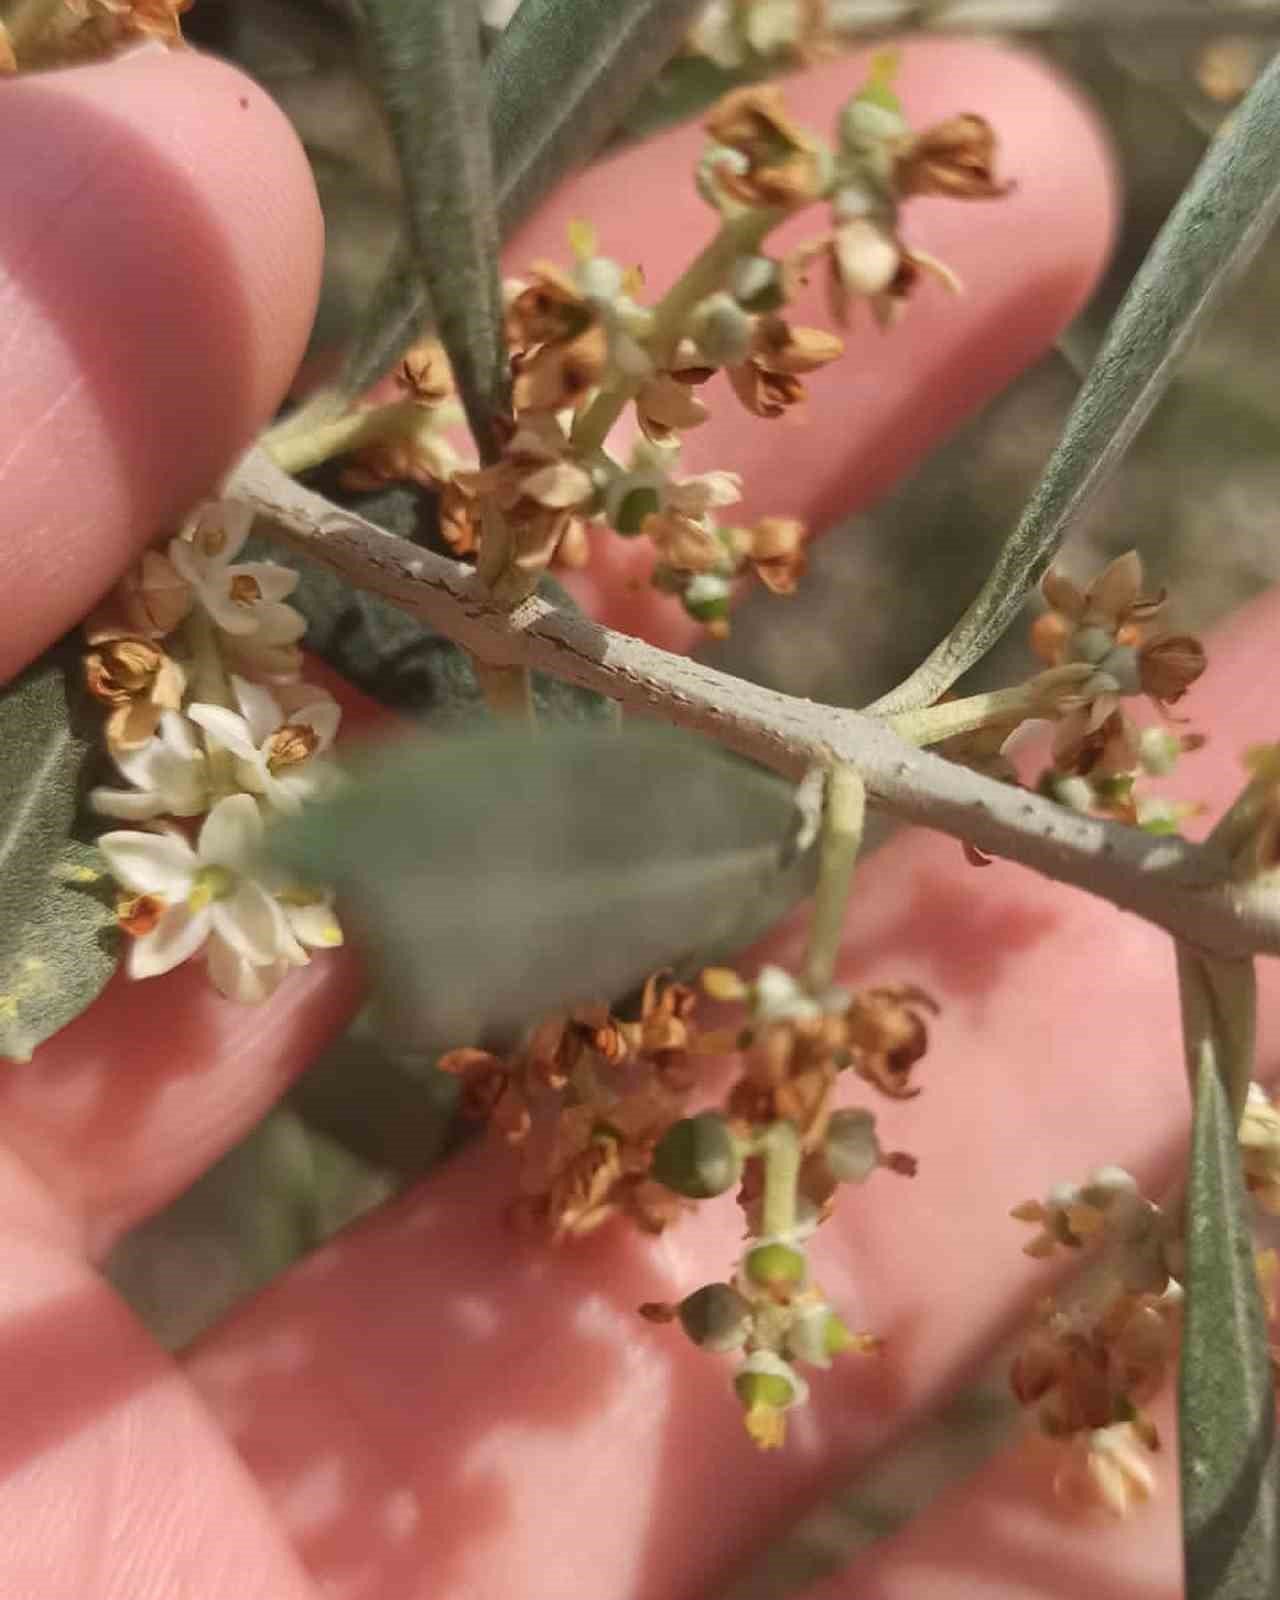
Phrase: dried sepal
(783, 166)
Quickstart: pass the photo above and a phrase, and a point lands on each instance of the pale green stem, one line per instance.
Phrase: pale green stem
(209, 684)
(780, 1150)
(932, 724)
(843, 813)
(738, 236)
(296, 450)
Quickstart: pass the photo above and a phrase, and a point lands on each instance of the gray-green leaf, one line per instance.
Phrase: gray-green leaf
(497, 877)
(1226, 1420)
(58, 940)
(562, 77)
(1219, 223)
(426, 55)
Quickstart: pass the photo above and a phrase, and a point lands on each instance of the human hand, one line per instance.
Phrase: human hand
(427, 1406)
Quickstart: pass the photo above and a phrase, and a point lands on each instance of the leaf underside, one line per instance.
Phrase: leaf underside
(58, 937)
(497, 877)
(1226, 1417)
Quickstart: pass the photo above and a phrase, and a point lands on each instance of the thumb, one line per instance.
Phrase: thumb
(160, 244)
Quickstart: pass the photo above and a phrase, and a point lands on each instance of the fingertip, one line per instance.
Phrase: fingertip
(160, 243)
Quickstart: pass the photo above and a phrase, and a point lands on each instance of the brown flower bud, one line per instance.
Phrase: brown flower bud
(954, 158)
(1168, 666)
(777, 552)
(784, 163)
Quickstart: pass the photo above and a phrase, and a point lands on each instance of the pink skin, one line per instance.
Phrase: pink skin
(426, 1408)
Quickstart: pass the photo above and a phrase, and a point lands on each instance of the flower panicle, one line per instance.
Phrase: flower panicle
(211, 730)
(588, 350)
(626, 1116)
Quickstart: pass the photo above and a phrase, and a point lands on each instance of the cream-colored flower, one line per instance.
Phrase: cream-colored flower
(241, 597)
(280, 754)
(202, 890)
(168, 774)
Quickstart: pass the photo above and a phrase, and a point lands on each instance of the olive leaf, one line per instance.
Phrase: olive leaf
(58, 939)
(426, 56)
(1226, 1416)
(1217, 226)
(561, 77)
(499, 876)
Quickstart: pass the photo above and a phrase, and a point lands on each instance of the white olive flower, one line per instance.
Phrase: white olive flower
(168, 773)
(279, 754)
(199, 891)
(311, 925)
(239, 596)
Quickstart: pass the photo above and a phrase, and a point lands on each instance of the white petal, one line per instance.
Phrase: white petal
(315, 925)
(274, 582)
(188, 561)
(322, 717)
(130, 805)
(179, 735)
(177, 935)
(231, 832)
(239, 979)
(252, 924)
(232, 616)
(279, 624)
(161, 864)
(259, 708)
(236, 519)
(229, 730)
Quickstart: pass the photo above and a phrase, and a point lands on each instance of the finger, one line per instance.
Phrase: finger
(1006, 1534)
(1028, 262)
(160, 243)
(116, 1483)
(505, 1409)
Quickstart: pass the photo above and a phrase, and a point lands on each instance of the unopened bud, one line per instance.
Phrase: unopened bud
(852, 1150)
(697, 1157)
(756, 284)
(716, 1317)
(776, 1266)
(722, 330)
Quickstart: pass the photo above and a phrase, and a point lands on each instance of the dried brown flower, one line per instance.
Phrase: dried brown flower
(559, 345)
(768, 381)
(666, 406)
(955, 158)
(784, 163)
(138, 681)
(888, 1036)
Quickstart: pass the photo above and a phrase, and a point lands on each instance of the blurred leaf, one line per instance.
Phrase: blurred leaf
(426, 56)
(1219, 223)
(496, 877)
(58, 939)
(561, 78)
(1226, 1420)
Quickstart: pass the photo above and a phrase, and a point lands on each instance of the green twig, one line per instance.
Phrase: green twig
(780, 1149)
(843, 814)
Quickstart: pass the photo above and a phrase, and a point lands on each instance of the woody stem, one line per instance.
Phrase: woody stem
(843, 813)
(709, 271)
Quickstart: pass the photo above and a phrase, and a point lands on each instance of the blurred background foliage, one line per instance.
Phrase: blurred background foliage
(1196, 497)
